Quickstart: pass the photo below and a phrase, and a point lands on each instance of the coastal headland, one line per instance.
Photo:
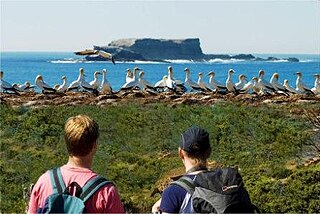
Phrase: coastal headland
(161, 50)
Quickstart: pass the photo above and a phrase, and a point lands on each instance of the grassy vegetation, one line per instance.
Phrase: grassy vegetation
(261, 141)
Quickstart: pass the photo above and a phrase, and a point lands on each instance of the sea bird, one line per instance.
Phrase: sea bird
(105, 86)
(170, 83)
(229, 83)
(134, 83)
(95, 82)
(190, 83)
(316, 88)
(300, 87)
(129, 75)
(87, 87)
(173, 84)
(264, 85)
(81, 83)
(276, 85)
(249, 86)
(242, 81)
(217, 86)
(161, 84)
(255, 87)
(144, 83)
(202, 84)
(101, 53)
(288, 87)
(63, 88)
(7, 87)
(76, 85)
(45, 88)
(26, 87)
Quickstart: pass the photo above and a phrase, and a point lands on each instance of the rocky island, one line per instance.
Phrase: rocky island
(163, 50)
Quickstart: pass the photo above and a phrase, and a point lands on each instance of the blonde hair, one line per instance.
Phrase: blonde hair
(80, 134)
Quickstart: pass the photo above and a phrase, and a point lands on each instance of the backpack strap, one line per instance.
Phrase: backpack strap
(92, 186)
(57, 183)
(186, 183)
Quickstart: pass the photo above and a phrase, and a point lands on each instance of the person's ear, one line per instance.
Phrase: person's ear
(181, 153)
(95, 146)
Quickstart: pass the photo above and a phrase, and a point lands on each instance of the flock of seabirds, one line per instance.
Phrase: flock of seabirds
(135, 80)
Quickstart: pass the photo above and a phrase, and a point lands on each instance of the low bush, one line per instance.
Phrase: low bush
(138, 146)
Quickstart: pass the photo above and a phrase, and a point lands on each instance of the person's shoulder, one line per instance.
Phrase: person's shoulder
(108, 189)
(44, 178)
(43, 184)
(175, 189)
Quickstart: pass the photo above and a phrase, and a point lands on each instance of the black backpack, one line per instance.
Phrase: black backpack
(218, 191)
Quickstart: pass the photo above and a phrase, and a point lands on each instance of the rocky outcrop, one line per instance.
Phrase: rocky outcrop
(154, 49)
(148, 49)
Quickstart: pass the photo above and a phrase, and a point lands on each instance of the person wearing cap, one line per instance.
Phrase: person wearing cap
(194, 151)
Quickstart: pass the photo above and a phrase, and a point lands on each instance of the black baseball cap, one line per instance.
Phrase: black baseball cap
(195, 140)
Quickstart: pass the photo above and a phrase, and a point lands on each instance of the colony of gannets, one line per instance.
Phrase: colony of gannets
(136, 80)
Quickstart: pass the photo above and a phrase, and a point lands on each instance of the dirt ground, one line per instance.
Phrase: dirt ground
(83, 98)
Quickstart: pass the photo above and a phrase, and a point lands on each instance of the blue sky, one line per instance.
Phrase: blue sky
(222, 26)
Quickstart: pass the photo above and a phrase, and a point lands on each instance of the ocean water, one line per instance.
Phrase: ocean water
(19, 67)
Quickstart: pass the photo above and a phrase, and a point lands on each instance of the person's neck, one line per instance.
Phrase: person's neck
(188, 166)
(83, 162)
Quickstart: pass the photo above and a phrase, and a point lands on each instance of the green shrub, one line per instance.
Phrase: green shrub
(133, 139)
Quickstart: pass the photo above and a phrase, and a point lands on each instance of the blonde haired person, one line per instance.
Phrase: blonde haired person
(81, 137)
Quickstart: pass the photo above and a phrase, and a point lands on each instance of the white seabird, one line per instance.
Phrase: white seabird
(87, 87)
(56, 86)
(170, 83)
(101, 53)
(174, 84)
(300, 87)
(134, 83)
(250, 86)
(264, 85)
(80, 83)
(276, 85)
(189, 82)
(229, 83)
(202, 84)
(26, 87)
(316, 88)
(288, 87)
(95, 83)
(105, 87)
(129, 76)
(217, 86)
(76, 85)
(255, 87)
(161, 84)
(144, 83)
(5, 86)
(63, 88)
(247, 87)
(45, 88)
(178, 82)
(242, 81)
